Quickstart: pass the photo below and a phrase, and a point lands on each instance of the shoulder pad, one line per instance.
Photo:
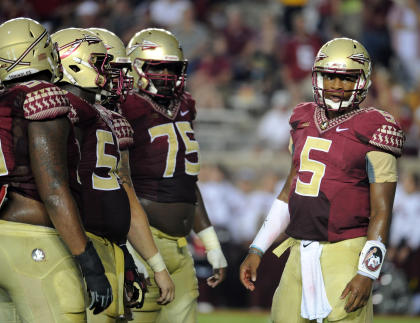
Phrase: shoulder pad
(123, 130)
(134, 106)
(189, 103)
(303, 112)
(44, 101)
(382, 130)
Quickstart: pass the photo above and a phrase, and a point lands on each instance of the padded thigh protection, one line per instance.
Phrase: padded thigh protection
(40, 275)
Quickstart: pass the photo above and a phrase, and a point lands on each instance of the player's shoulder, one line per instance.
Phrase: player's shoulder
(122, 129)
(380, 129)
(135, 105)
(303, 112)
(43, 100)
(80, 110)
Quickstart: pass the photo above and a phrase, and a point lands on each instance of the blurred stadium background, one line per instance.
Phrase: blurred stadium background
(249, 64)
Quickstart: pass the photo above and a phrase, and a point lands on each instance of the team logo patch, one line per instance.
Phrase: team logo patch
(373, 259)
(147, 44)
(359, 58)
(38, 255)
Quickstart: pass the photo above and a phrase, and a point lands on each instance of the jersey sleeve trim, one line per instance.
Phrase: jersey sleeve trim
(45, 103)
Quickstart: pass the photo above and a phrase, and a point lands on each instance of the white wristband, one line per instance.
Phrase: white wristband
(371, 259)
(156, 263)
(275, 223)
(214, 251)
(209, 238)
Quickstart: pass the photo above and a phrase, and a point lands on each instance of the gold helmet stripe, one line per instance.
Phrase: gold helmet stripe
(19, 60)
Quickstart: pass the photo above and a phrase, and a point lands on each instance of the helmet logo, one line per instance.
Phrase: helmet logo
(147, 44)
(74, 45)
(19, 60)
(320, 57)
(359, 58)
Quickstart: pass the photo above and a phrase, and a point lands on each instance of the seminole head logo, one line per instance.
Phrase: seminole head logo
(71, 47)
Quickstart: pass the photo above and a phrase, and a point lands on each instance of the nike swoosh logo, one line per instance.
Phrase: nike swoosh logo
(338, 129)
(183, 113)
(305, 245)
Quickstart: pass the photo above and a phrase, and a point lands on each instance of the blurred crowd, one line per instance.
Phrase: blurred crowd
(256, 57)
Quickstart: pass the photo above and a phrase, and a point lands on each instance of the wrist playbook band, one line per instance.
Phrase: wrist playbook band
(371, 259)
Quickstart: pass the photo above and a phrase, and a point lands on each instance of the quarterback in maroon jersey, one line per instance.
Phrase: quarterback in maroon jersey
(164, 162)
(102, 135)
(337, 201)
(39, 219)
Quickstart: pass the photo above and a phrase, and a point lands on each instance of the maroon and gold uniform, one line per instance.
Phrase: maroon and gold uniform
(164, 163)
(336, 160)
(27, 279)
(105, 208)
(332, 168)
(164, 159)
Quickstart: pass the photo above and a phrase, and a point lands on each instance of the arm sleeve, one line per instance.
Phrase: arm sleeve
(381, 167)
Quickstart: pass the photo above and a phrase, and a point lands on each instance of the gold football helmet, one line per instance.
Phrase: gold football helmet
(342, 56)
(85, 59)
(120, 63)
(153, 52)
(25, 49)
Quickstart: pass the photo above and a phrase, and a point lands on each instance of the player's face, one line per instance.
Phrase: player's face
(164, 77)
(338, 87)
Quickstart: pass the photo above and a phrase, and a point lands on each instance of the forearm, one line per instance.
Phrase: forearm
(382, 199)
(201, 219)
(64, 215)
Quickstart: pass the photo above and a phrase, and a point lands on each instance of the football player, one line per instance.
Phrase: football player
(164, 163)
(122, 64)
(40, 226)
(102, 133)
(339, 194)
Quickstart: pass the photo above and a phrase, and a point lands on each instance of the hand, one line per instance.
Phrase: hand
(358, 290)
(166, 287)
(135, 283)
(219, 275)
(248, 271)
(98, 286)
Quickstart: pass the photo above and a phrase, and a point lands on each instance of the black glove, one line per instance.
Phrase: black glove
(97, 284)
(132, 277)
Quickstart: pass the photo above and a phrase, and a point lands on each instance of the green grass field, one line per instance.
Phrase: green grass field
(263, 317)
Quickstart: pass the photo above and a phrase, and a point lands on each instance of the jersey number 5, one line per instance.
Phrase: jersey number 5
(191, 146)
(309, 165)
(105, 160)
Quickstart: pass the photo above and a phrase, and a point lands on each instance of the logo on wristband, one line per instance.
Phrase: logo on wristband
(373, 259)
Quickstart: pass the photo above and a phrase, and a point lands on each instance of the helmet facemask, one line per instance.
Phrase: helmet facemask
(358, 93)
(158, 83)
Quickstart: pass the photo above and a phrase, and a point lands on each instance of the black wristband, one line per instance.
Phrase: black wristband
(89, 261)
(128, 259)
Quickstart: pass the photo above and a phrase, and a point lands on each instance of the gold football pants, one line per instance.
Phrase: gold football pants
(39, 275)
(339, 262)
(178, 260)
(62, 279)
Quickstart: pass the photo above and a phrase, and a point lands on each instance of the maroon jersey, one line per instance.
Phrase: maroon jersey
(19, 105)
(105, 207)
(164, 159)
(329, 199)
